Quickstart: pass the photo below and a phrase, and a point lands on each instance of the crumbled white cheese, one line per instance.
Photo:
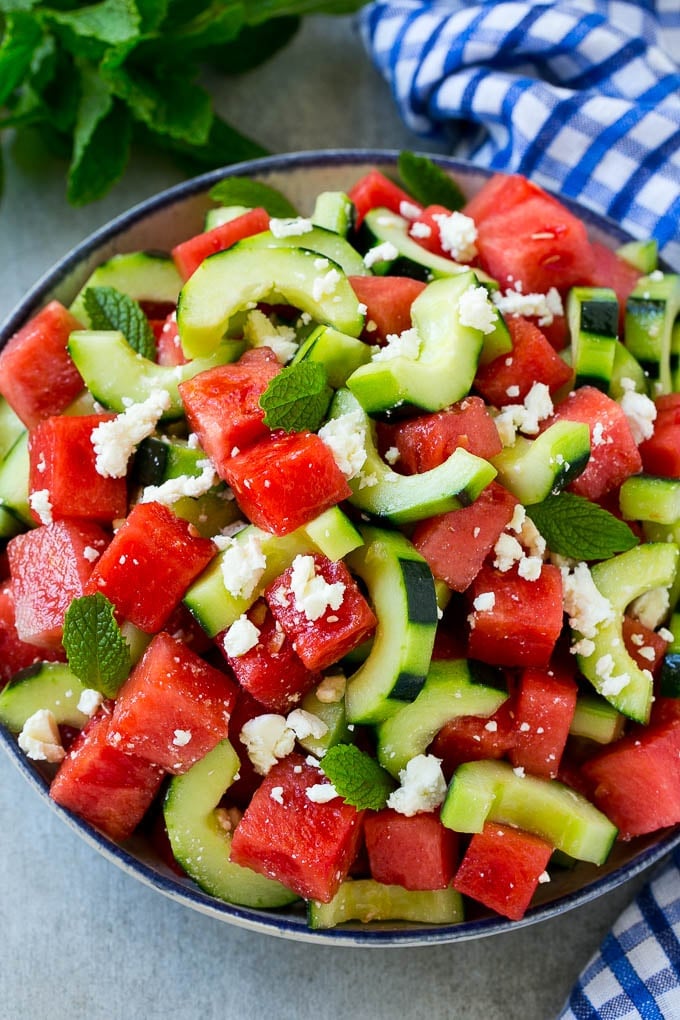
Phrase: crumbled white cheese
(651, 608)
(530, 568)
(90, 701)
(40, 739)
(40, 503)
(276, 793)
(260, 331)
(545, 307)
(423, 787)
(90, 553)
(543, 878)
(290, 227)
(484, 602)
(331, 689)
(584, 604)
(115, 441)
(325, 285)
(399, 345)
(584, 647)
(321, 793)
(457, 234)
(476, 311)
(241, 637)
(243, 564)
(611, 685)
(312, 594)
(306, 724)
(508, 552)
(525, 417)
(491, 726)
(346, 438)
(385, 252)
(173, 489)
(392, 455)
(409, 210)
(519, 771)
(181, 738)
(641, 414)
(267, 738)
(531, 538)
(420, 230)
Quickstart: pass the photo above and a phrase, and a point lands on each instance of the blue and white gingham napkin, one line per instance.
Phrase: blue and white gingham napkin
(581, 95)
(584, 97)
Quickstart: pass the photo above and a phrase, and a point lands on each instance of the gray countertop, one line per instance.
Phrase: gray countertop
(80, 939)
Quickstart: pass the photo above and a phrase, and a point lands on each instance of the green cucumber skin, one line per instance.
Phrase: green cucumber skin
(650, 498)
(366, 900)
(651, 311)
(595, 719)
(49, 685)
(321, 241)
(143, 276)
(532, 469)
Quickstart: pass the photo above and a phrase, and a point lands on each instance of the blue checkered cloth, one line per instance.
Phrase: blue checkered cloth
(581, 95)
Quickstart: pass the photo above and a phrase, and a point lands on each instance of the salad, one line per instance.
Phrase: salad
(341, 547)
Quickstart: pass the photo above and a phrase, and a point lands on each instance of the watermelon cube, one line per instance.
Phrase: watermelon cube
(16, 654)
(545, 701)
(417, 852)
(388, 301)
(508, 378)
(427, 441)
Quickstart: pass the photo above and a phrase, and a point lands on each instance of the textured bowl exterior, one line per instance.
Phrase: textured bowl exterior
(158, 224)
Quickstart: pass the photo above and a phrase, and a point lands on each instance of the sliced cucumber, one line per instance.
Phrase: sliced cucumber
(49, 685)
(202, 846)
(222, 214)
(445, 366)
(650, 498)
(451, 689)
(142, 275)
(334, 715)
(593, 317)
(402, 594)
(595, 719)
(11, 427)
(115, 374)
(338, 353)
(492, 791)
(324, 243)
(626, 367)
(366, 900)
(231, 280)
(642, 255)
(334, 210)
(14, 484)
(651, 311)
(532, 469)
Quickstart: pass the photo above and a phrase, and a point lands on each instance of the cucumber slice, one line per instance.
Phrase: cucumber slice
(621, 579)
(142, 275)
(200, 844)
(223, 214)
(366, 900)
(446, 365)
(334, 210)
(49, 685)
(650, 498)
(324, 243)
(651, 311)
(483, 791)
(380, 491)
(14, 484)
(11, 427)
(331, 533)
(229, 281)
(595, 719)
(626, 367)
(642, 255)
(402, 594)
(450, 690)
(593, 317)
(339, 354)
(334, 715)
(532, 469)
(115, 374)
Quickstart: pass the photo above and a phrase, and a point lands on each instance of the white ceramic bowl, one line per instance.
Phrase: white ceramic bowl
(158, 224)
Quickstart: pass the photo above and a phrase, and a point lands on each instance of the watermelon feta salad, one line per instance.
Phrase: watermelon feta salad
(340, 549)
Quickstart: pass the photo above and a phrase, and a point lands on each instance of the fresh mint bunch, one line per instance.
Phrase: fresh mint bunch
(93, 78)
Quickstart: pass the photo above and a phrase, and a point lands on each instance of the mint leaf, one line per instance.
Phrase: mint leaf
(245, 191)
(110, 21)
(297, 398)
(255, 45)
(357, 777)
(102, 161)
(224, 145)
(22, 37)
(428, 183)
(573, 526)
(96, 650)
(109, 308)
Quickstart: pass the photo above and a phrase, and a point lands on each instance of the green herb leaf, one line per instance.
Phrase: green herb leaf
(255, 45)
(297, 398)
(110, 21)
(97, 651)
(428, 183)
(573, 526)
(357, 777)
(224, 145)
(245, 191)
(22, 37)
(109, 308)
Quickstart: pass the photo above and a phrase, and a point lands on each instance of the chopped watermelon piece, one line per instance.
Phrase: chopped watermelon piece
(50, 567)
(245, 708)
(189, 254)
(545, 701)
(427, 441)
(610, 270)
(474, 738)
(416, 852)
(661, 453)
(152, 560)
(644, 645)
(168, 344)
(16, 654)
(289, 836)
(37, 375)
(502, 868)
(501, 193)
(508, 379)
(388, 301)
(173, 708)
(374, 190)
(107, 788)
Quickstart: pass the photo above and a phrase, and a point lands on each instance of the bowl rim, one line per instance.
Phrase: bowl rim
(164, 881)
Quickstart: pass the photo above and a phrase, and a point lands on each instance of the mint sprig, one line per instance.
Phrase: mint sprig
(428, 183)
(108, 308)
(297, 399)
(574, 527)
(245, 191)
(97, 652)
(357, 777)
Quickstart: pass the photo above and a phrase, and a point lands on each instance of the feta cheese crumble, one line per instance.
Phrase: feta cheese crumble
(346, 438)
(260, 331)
(115, 441)
(305, 724)
(243, 564)
(484, 602)
(174, 489)
(476, 311)
(90, 701)
(312, 594)
(423, 787)
(40, 739)
(457, 234)
(399, 345)
(324, 286)
(583, 603)
(544, 307)
(525, 417)
(39, 502)
(181, 738)
(385, 252)
(420, 230)
(651, 608)
(276, 793)
(321, 793)
(267, 738)
(331, 689)
(640, 412)
(290, 227)
(241, 637)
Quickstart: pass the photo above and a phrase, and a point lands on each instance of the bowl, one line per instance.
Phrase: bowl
(159, 223)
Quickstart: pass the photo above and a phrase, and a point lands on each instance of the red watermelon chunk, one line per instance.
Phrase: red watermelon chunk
(189, 254)
(614, 455)
(427, 441)
(644, 645)
(456, 543)
(502, 867)
(271, 671)
(173, 708)
(104, 786)
(474, 738)
(286, 480)
(501, 193)
(544, 707)
(222, 407)
(152, 560)
(661, 453)
(50, 567)
(416, 852)
(374, 190)
(322, 630)
(523, 621)
(636, 781)
(286, 835)
(246, 707)
(62, 461)
(168, 345)
(388, 301)
(508, 379)
(37, 376)
(16, 654)
(610, 270)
